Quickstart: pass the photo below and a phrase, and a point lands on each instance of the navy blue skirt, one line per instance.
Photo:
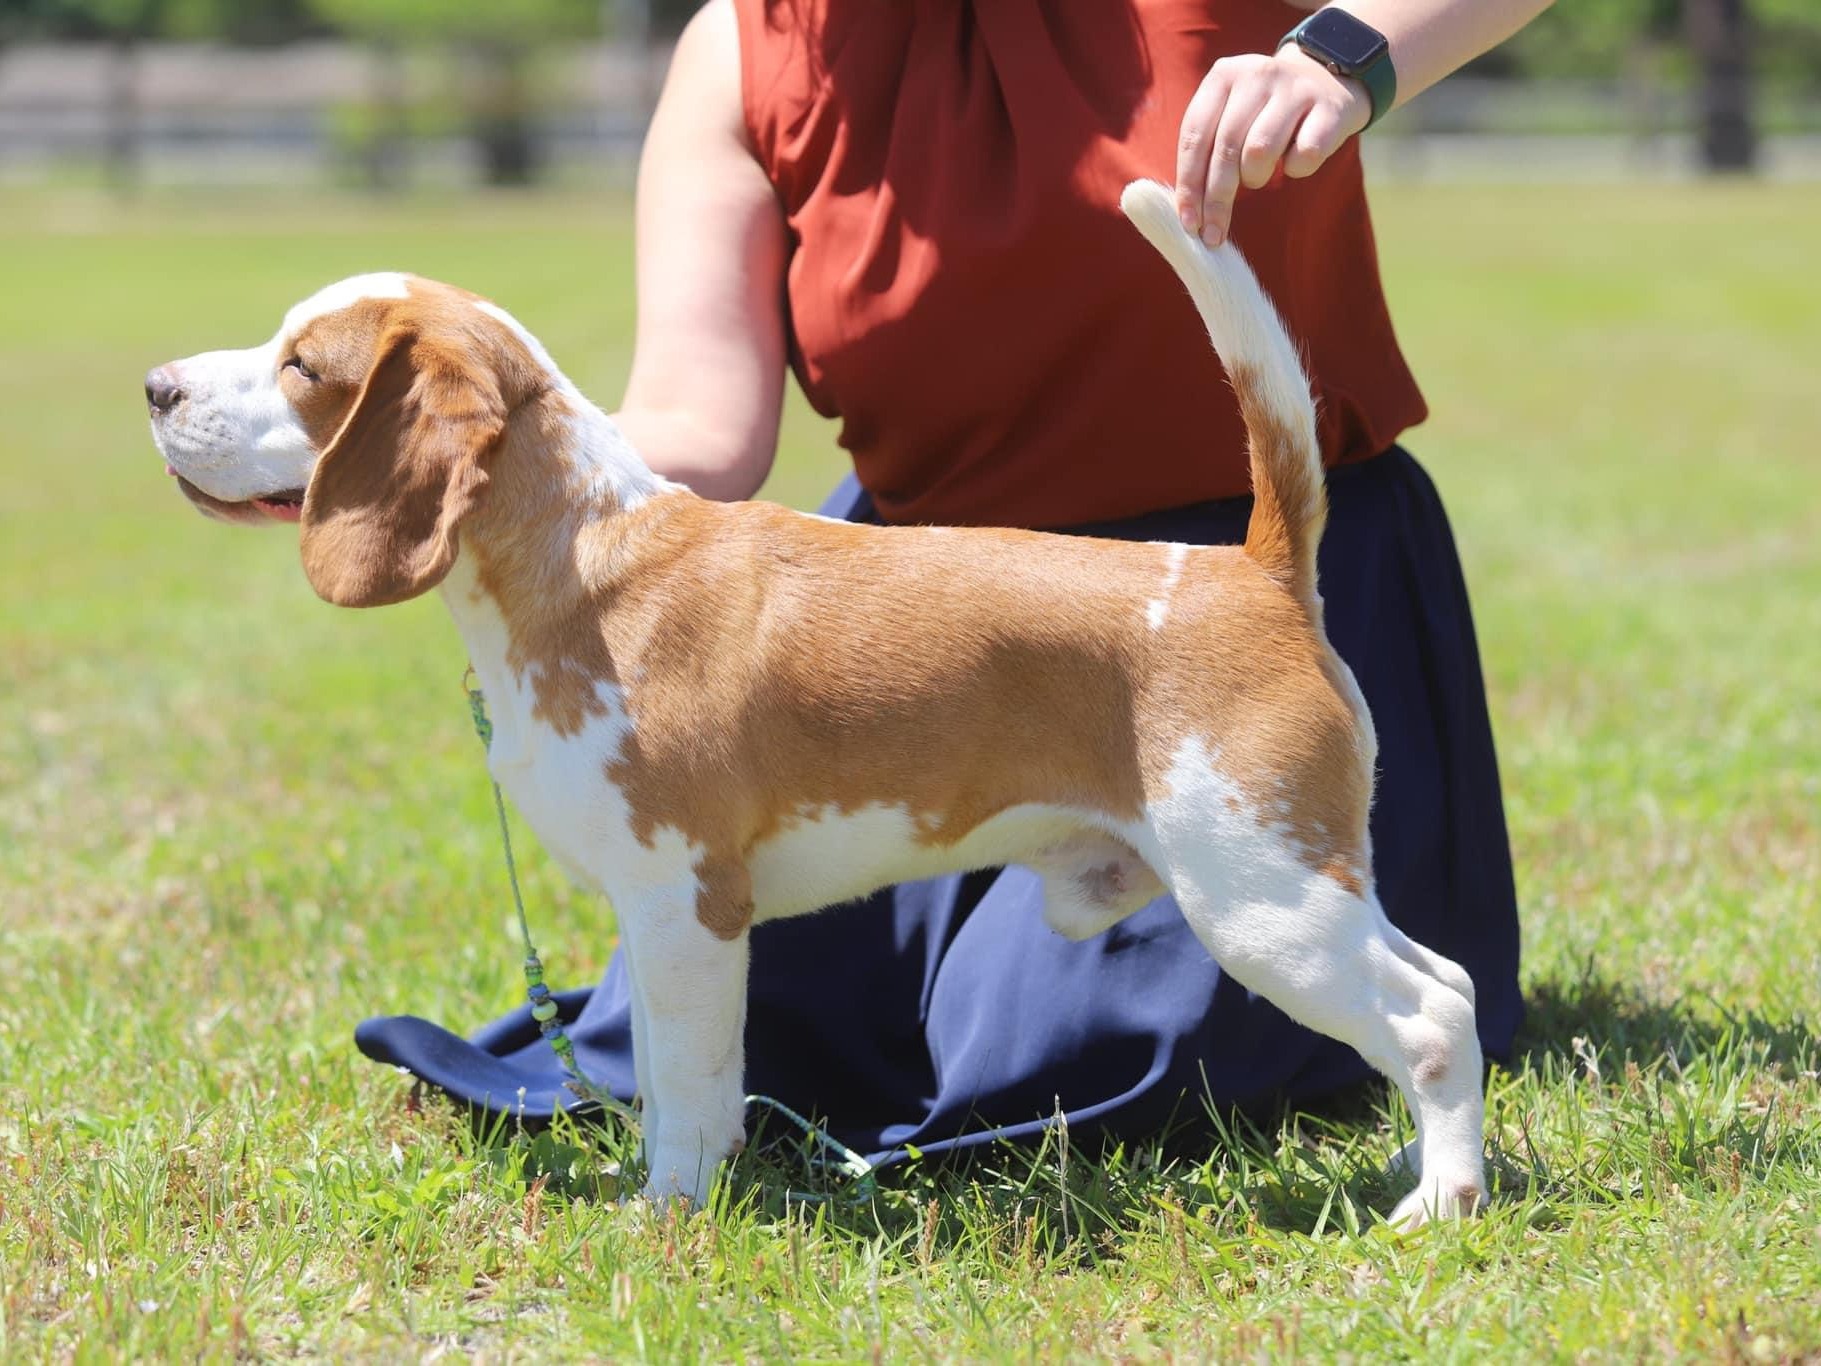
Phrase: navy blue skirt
(947, 1013)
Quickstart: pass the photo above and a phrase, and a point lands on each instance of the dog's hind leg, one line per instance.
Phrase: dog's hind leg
(1428, 960)
(1406, 1162)
(1323, 953)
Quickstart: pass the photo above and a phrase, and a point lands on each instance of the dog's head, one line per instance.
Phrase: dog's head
(371, 419)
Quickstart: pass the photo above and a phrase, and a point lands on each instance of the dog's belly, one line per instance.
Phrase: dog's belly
(827, 856)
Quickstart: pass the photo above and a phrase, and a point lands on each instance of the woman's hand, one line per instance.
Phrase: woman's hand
(1252, 114)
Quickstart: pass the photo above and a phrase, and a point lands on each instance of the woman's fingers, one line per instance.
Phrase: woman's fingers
(1245, 102)
(1316, 141)
(1250, 116)
(1269, 137)
(1199, 121)
(1335, 117)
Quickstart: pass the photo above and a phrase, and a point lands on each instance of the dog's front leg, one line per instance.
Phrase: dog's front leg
(689, 1022)
(641, 1036)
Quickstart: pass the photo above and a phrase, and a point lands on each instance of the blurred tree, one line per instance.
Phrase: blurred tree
(495, 42)
(1716, 53)
(230, 21)
(1593, 37)
(1787, 50)
(1719, 33)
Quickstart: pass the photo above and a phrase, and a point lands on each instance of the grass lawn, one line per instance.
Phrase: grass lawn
(234, 821)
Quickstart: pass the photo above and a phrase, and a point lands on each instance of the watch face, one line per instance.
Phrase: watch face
(1338, 38)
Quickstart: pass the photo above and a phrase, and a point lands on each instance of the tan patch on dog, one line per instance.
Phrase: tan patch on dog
(760, 690)
(1249, 673)
(723, 898)
(341, 348)
(1290, 502)
(1432, 1066)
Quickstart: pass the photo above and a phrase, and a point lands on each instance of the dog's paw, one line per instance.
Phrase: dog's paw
(680, 1169)
(674, 1188)
(1439, 1198)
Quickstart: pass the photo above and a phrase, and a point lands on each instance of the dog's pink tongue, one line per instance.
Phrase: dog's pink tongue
(280, 512)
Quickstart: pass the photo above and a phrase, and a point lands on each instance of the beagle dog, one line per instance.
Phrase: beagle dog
(718, 714)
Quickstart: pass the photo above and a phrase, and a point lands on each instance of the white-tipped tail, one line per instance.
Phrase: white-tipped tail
(1290, 502)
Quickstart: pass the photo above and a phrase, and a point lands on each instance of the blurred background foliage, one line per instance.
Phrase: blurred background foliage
(1588, 38)
(1720, 67)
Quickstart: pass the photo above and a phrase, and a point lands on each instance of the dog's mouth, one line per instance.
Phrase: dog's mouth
(281, 507)
(276, 507)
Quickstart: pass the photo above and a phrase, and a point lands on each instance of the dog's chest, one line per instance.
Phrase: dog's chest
(559, 780)
(561, 784)
(558, 785)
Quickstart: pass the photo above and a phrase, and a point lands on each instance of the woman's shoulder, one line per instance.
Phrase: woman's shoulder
(707, 54)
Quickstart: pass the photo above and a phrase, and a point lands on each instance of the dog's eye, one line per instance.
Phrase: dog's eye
(296, 363)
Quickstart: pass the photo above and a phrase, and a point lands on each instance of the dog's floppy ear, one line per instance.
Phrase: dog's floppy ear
(388, 494)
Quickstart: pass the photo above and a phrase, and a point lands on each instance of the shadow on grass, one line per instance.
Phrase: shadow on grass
(1681, 1081)
(1211, 1174)
(1067, 1203)
(1614, 1017)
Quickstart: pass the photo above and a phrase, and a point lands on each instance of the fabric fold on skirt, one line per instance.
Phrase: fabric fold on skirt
(943, 1014)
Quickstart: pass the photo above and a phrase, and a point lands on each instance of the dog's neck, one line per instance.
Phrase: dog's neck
(548, 536)
(559, 440)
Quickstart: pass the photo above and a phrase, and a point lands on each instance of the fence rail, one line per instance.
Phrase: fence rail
(322, 112)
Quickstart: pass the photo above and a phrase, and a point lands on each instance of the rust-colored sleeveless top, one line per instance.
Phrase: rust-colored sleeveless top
(1000, 345)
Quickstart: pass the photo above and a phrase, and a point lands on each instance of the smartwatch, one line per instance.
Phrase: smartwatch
(1350, 47)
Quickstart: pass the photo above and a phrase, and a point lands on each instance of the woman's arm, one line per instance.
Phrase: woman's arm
(1254, 112)
(707, 379)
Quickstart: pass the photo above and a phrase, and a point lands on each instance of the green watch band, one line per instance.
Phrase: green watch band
(1350, 47)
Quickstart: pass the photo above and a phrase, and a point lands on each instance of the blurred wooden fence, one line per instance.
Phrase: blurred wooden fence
(336, 112)
(319, 112)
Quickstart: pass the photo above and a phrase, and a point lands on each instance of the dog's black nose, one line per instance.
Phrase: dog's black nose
(162, 392)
